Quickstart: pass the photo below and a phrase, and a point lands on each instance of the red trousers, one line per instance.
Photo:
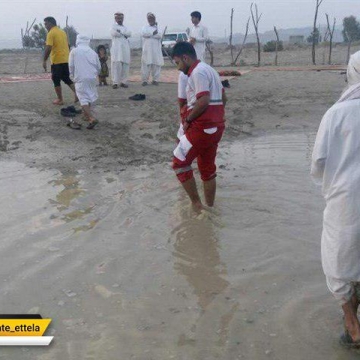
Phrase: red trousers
(197, 144)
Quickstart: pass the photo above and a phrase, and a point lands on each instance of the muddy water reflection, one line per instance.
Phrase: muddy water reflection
(197, 258)
(126, 271)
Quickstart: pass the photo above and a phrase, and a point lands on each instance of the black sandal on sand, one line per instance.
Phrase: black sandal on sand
(347, 341)
(138, 97)
(72, 108)
(92, 124)
(73, 125)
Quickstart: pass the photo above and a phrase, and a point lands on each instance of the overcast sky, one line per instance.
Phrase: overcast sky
(95, 17)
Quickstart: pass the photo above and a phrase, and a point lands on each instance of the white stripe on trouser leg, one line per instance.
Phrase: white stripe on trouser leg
(183, 148)
(342, 290)
(180, 132)
(182, 170)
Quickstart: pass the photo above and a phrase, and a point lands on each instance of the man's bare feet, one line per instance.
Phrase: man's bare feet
(197, 207)
(92, 123)
(58, 102)
(351, 322)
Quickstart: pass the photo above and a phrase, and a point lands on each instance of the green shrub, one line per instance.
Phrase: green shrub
(270, 46)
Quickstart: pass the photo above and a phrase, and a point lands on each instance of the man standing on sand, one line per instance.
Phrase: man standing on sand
(336, 166)
(203, 124)
(84, 65)
(151, 59)
(198, 35)
(120, 52)
(57, 47)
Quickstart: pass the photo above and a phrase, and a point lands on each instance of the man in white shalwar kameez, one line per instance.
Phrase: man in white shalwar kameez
(336, 166)
(353, 69)
(84, 67)
(198, 35)
(151, 59)
(120, 52)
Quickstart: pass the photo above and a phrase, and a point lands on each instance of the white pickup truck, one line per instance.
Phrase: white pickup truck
(170, 39)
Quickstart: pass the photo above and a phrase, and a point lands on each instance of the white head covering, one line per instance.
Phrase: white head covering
(351, 93)
(82, 40)
(150, 14)
(353, 69)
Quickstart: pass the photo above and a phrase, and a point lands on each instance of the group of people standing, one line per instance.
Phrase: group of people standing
(84, 65)
(335, 159)
(201, 94)
(152, 58)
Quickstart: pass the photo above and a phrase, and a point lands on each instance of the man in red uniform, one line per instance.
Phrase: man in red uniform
(203, 124)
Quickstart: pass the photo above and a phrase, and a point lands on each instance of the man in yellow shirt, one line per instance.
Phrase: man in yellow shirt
(57, 47)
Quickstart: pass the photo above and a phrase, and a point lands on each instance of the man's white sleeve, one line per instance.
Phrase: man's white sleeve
(320, 150)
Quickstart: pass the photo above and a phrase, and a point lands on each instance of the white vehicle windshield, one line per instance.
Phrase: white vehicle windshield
(170, 37)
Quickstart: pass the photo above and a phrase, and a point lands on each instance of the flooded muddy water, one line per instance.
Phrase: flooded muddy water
(127, 271)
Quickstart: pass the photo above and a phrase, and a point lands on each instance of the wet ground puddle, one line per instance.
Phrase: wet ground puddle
(127, 271)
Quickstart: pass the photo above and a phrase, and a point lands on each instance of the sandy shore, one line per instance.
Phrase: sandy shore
(98, 235)
(143, 132)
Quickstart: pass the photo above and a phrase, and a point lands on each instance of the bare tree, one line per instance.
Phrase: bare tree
(325, 39)
(276, 45)
(243, 43)
(318, 3)
(208, 44)
(27, 41)
(231, 35)
(330, 31)
(164, 50)
(67, 28)
(349, 46)
(25, 35)
(256, 18)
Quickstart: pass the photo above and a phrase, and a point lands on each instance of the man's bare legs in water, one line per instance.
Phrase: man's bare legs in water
(209, 193)
(351, 321)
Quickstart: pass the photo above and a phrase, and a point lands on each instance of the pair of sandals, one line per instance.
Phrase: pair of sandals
(76, 126)
(70, 111)
(347, 341)
(116, 86)
(225, 83)
(138, 97)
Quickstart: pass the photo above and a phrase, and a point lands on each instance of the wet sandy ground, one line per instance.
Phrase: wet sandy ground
(97, 234)
(127, 271)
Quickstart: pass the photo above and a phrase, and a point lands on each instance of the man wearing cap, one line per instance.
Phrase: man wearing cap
(353, 69)
(198, 35)
(84, 65)
(152, 59)
(120, 52)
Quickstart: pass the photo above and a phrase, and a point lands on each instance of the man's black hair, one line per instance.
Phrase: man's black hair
(183, 48)
(196, 14)
(101, 47)
(50, 20)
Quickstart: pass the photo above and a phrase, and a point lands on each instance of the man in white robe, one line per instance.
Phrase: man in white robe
(84, 67)
(336, 166)
(120, 52)
(151, 59)
(353, 69)
(198, 35)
